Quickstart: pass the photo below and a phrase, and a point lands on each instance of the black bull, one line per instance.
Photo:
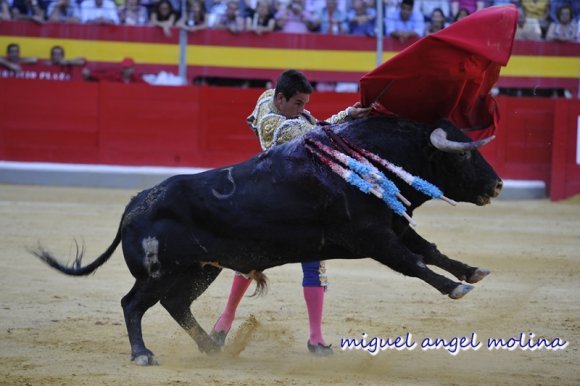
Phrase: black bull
(285, 206)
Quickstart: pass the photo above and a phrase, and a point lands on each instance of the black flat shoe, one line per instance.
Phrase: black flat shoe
(219, 337)
(320, 350)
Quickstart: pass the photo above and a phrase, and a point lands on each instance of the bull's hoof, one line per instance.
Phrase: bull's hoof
(145, 359)
(460, 291)
(478, 275)
(210, 347)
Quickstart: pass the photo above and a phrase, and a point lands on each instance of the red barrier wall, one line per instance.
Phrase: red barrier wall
(522, 148)
(117, 124)
(566, 159)
(110, 123)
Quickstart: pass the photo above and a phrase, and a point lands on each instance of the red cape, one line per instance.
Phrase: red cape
(448, 74)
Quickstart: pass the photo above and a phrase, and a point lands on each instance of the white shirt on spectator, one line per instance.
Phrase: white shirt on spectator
(99, 9)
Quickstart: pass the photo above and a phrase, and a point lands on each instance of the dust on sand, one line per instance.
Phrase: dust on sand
(70, 331)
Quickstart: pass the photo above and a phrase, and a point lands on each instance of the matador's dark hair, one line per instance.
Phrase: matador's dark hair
(292, 82)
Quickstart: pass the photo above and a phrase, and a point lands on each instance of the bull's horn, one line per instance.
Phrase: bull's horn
(439, 140)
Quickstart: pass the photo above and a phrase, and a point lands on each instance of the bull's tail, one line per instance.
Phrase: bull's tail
(75, 269)
(261, 283)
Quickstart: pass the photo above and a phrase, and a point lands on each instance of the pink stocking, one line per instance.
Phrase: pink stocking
(239, 287)
(314, 297)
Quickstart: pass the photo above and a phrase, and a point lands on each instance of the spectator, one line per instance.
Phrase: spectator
(133, 13)
(361, 19)
(426, 7)
(27, 10)
(216, 9)
(316, 6)
(565, 28)
(390, 6)
(194, 18)
(125, 74)
(99, 12)
(5, 10)
(470, 5)
(331, 20)
(463, 12)
(232, 20)
(164, 16)
(64, 11)
(405, 23)
(13, 60)
(295, 19)
(527, 29)
(556, 4)
(503, 2)
(57, 58)
(437, 22)
(261, 19)
(539, 10)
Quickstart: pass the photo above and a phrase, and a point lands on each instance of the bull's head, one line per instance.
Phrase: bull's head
(465, 174)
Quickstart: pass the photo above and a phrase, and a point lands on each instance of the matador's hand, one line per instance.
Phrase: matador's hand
(357, 111)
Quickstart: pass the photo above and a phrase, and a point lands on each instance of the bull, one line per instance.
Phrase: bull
(285, 206)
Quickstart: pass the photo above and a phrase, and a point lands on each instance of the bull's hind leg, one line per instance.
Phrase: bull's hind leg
(186, 287)
(144, 294)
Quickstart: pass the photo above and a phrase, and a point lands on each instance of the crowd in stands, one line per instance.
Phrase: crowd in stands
(553, 20)
(405, 20)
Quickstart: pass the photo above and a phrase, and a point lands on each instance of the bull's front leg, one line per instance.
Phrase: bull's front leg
(392, 252)
(432, 256)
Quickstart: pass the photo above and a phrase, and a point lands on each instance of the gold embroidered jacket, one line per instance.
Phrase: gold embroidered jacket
(273, 128)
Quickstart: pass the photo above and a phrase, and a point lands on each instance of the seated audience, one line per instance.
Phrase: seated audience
(463, 12)
(164, 16)
(215, 10)
(470, 5)
(5, 10)
(565, 28)
(57, 58)
(527, 29)
(13, 60)
(295, 18)
(556, 4)
(232, 19)
(99, 12)
(436, 23)
(194, 18)
(426, 7)
(539, 10)
(64, 11)
(361, 19)
(27, 10)
(261, 19)
(331, 20)
(133, 13)
(405, 23)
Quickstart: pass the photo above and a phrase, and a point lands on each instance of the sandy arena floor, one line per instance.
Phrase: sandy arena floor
(58, 330)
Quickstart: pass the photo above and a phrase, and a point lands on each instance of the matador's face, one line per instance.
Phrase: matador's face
(293, 107)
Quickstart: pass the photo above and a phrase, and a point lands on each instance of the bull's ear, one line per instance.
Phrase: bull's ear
(439, 139)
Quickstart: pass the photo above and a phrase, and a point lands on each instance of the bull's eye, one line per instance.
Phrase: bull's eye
(465, 155)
